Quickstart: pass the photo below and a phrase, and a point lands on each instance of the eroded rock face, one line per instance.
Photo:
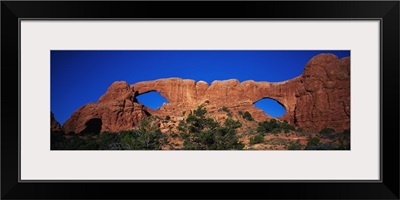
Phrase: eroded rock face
(319, 98)
(323, 95)
(54, 125)
(117, 110)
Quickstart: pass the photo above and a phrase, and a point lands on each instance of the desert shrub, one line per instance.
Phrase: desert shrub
(200, 111)
(91, 144)
(173, 135)
(286, 131)
(147, 137)
(57, 140)
(346, 135)
(275, 131)
(225, 109)
(73, 143)
(300, 130)
(264, 127)
(323, 146)
(294, 146)
(343, 145)
(327, 131)
(247, 116)
(240, 113)
(344, 140)
(167, 117)
(312, 143)
(107, 138)
(210, 123)
(269, 126)
(181, 127)
(250, 132)
(233, 124)
(257, 139)
(206, 134)
(287, 127)
(274, 123)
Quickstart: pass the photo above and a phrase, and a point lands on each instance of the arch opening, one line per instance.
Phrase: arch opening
(271, 107)
(93, 126)
(152, 99)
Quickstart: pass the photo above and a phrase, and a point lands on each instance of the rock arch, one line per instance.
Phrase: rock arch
(317, 99)
(269, 98)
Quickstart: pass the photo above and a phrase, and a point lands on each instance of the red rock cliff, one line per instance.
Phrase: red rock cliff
(317, 99)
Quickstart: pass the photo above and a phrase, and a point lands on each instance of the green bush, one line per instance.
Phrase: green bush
(173, 135)
(312, 143)
(200, 111)
(274, 124)
(225, 109)
(294, 146)
(56, 140)
(247, 116)
(257, 139)
(287, 127)
(326, 131)
(268, 126)
(232, 123)
(89, 145)
(300, 130)
(206, 134)
(275, 131)
(264, 127)
(147, 137)
(323, 146)
(346, 135)
(343, 145)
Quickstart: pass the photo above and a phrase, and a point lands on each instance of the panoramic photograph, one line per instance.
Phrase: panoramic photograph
(200, 100)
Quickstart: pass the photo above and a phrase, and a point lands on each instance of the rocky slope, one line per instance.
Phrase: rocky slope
(317, 99)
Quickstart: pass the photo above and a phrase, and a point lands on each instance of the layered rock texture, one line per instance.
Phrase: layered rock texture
(318, 98)
(116, 110)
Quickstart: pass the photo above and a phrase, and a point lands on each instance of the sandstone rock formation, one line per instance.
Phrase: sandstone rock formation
(116, 110)
(319, 98)
(54, 125)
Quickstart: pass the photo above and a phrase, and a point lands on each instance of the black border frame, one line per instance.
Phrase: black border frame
(386, 11)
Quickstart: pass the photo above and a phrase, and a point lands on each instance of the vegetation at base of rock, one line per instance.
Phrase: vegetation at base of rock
(203, 133)
(313, 141)
(198, 131)
(327, 131)
(247, 116)
(146, 137)
(257, 139)
(294, 146)
(343, 142)
(225, 109)
(274, 126)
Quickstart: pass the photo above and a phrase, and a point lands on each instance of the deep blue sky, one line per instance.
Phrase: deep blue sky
(80, 77)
